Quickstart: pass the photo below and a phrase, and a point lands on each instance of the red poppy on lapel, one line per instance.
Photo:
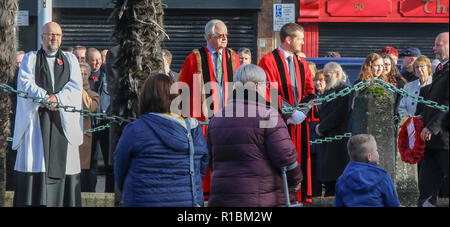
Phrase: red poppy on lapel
(95, 78)
(59, 61)
(441, 67)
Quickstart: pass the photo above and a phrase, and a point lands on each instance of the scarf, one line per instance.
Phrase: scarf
(54, 140)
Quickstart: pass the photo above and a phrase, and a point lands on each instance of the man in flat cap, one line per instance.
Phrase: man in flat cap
(408, 57)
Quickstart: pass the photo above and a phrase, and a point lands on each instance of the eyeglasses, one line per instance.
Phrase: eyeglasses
(53, 34)
(221, 36)
(421, 66)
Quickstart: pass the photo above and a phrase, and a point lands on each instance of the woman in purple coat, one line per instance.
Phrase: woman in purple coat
(249, 143)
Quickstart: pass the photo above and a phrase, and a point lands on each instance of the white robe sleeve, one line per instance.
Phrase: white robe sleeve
(26, 108)
(71, 95)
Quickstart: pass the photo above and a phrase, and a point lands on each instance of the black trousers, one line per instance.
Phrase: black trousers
(100, 144)
(432, 174)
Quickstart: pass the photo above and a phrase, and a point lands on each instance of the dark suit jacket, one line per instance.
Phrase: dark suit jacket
(432, 117)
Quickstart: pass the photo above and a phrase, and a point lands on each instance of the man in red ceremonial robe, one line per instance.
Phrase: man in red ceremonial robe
(295, 85)
(209, 73)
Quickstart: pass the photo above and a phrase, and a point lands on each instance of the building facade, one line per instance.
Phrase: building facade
(354, 28)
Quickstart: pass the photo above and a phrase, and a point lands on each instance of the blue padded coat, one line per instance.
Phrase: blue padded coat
(365, 185)
(152, 162)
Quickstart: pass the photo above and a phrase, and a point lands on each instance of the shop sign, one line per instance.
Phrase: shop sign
(359, 8)
(22, 18)
(283, 14)
(424, 8)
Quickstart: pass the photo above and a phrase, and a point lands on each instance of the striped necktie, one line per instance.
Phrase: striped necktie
(218, 67)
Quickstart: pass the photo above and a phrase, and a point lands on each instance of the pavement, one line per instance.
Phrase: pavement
(100, 187)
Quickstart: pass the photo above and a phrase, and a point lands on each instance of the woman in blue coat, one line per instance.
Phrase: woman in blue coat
(153, 160)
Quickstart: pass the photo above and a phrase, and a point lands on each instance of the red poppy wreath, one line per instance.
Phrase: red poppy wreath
(410, 145)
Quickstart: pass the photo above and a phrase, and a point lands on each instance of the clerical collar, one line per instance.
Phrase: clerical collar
(50, 54)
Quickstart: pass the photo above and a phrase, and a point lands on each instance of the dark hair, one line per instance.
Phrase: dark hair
(290, 29)
(394, 75)
(333, 54)
(155, 96)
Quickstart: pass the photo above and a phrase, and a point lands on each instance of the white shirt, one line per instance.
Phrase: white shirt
(27, 139)
(286, 55)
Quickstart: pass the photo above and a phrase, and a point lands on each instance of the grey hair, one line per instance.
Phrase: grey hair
(358, 148)
(209, 28)
(245, 50)
(335, 67)
(91, 50)
(86, 65)
(249, 73)
(166, 54)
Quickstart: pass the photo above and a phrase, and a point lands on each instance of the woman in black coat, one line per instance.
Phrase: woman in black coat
(332, 157)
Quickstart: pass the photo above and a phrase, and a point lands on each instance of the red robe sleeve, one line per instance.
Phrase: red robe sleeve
(269, 67)
(309, 83)
(186, 75)
(309, 89)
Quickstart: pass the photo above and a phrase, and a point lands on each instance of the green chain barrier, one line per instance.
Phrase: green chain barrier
(329, 139)
(285, 110)
(100, 116)
(359, 86)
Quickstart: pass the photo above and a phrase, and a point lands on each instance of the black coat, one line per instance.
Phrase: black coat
(332, 157)
(437, 92)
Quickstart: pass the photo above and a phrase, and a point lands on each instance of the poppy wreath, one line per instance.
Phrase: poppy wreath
(408, 155)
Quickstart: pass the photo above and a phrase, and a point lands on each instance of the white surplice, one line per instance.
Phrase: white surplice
(27, 139)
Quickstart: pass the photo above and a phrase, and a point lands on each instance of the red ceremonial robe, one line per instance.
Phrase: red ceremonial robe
(199, 63)
(276, 69)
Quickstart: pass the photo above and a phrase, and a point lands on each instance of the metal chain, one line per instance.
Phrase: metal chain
(359, 86)
(83, 112)
(330, 139)
(285, 110)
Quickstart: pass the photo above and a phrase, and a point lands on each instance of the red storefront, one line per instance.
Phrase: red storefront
(356, 28)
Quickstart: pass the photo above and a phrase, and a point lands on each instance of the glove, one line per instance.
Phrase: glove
(297, 118)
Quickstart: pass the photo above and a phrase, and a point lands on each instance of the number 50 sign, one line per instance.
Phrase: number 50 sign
(359, 8)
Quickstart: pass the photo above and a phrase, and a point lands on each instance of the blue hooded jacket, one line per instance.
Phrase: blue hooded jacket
(365, 185)
(152, 162)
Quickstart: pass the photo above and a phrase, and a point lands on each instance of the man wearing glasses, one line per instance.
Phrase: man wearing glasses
(47, 137)
(209, 72)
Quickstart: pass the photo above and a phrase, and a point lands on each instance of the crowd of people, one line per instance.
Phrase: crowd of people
(167, 158)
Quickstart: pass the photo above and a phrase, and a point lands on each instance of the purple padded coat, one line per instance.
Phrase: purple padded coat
(247, 156)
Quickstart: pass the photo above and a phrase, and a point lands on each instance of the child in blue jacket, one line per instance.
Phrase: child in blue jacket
(363, 183)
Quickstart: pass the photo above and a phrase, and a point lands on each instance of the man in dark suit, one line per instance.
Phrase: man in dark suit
(434, 164)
